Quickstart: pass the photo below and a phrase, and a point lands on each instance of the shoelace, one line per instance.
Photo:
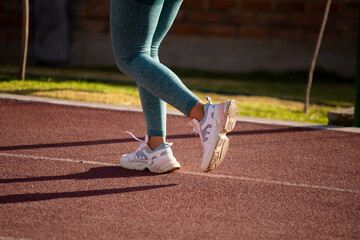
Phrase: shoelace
(197, 126)
(143, 143)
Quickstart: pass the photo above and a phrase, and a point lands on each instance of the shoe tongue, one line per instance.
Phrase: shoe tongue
(162, 146)
(193, 122)
(146, 139)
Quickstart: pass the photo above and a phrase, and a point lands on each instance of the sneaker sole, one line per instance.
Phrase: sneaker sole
(167, 168)
(231, 116)
(170, 169)
(165, 165)
(222, 145)
(133, 166)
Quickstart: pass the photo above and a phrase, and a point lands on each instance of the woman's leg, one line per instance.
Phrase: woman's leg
(154, 106)
(154, 110)
(133, 26)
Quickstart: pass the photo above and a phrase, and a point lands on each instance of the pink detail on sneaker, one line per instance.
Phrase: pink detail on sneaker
(222, 115)
(161, 164)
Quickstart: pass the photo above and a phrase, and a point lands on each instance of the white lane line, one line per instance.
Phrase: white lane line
(272, 182)
(12, 238)
(57, 159)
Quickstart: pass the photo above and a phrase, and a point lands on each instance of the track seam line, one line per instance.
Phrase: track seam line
(271, 182)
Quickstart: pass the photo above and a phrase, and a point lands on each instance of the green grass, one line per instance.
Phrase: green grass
(261, 94)
(72, 90)
(328, 89)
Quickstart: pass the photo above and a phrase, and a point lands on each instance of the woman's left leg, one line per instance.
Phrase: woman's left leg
(153, 107)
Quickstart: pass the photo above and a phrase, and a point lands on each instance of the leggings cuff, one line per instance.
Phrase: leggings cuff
(155, 133)
(190, 106)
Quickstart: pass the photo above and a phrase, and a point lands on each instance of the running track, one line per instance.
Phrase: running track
(60, 179)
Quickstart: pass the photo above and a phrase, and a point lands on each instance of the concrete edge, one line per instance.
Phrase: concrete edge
(170, 112)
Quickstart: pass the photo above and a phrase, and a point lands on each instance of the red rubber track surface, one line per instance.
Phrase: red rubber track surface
(277, 182)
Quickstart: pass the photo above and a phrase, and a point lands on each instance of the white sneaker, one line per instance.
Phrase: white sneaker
(219, 119)
(160, 160)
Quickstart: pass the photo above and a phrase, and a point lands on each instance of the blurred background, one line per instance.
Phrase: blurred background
(211, 35)
(257, 51)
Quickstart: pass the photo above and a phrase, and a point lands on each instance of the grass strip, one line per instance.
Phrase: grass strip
(127, 94)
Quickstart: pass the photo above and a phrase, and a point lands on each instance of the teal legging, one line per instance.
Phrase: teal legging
(137, 29)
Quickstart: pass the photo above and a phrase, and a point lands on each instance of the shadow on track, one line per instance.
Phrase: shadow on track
(124, 140)
(34, 197)
(65, 144)
(93, 173)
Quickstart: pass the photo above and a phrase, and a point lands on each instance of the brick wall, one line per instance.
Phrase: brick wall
(266, 20)
(10, 20)
(90, 16)
(263, 19)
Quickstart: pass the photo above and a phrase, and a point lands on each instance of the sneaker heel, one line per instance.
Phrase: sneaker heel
(231, 116)
(219, 154)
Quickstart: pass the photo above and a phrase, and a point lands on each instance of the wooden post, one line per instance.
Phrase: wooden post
(357, 92)
(313, 63)
(24, 41)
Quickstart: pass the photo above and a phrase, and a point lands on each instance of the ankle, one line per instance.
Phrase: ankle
(155, 141)
(198, 111)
